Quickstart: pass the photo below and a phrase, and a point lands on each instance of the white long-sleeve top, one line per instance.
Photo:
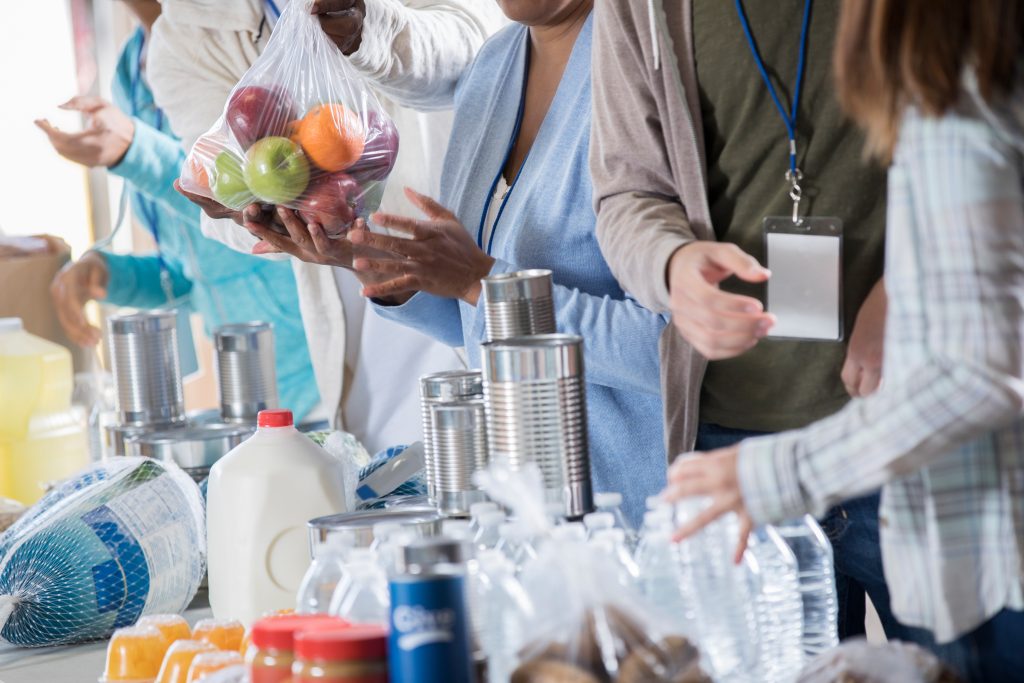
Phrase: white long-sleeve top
(413, 51)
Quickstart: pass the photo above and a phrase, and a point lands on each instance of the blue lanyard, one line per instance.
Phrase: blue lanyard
(790, 118)
(272, 6)
(501, 169)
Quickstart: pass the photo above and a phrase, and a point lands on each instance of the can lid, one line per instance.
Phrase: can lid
(275, 418)
(278, 632)
(429, 552)
(354, 643)
(11, 325)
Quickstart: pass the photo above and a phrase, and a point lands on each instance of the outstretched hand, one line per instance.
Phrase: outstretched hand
(439, 257)
(710, 475)
(105, 140)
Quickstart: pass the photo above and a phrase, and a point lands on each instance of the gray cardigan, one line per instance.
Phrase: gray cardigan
(647, 163)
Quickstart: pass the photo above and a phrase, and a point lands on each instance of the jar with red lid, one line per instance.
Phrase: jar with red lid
(272, 647)
(357, 654)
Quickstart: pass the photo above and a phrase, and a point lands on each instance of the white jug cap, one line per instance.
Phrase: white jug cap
(11, 325)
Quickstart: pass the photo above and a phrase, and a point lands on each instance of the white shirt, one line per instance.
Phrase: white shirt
(497, 199)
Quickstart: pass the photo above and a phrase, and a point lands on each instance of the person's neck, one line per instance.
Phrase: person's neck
(146, 16)
(555, 41)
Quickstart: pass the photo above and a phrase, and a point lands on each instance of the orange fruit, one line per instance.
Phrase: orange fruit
(332, 136)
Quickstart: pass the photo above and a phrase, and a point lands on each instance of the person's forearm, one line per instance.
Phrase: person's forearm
(136, 281)
(152, 164)
(415, 51)
(434, 316)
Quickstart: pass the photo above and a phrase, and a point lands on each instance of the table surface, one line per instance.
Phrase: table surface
(72, 664)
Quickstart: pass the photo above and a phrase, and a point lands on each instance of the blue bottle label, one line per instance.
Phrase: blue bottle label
(429, 641)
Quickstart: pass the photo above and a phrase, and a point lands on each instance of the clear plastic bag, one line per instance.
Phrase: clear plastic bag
(302, 129)
(586, 627)
(123, 539)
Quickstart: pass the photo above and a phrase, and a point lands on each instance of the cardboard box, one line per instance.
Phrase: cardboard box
(25, 277)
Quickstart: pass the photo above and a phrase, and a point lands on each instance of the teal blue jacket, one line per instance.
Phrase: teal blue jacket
(220, 284)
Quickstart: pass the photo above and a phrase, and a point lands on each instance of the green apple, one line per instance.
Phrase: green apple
(228, 186)
(276, 170)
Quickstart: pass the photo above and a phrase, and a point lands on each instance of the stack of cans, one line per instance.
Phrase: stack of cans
(455, 387)
(536, 412)
(147, 370)
(246, 373)
(459, 432)
(519, 304)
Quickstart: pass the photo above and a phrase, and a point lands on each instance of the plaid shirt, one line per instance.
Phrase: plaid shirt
(944, 436)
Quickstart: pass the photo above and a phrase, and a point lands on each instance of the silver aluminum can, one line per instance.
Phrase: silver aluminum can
(246, 372)
(519, 304)
(460, 448)
(536, 411)
(443, 387)
(147, 369)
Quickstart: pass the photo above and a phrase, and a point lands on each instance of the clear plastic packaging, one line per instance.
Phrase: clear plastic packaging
(134, 655)
(172, 626)
(364, 599)
(208, 663)
(124, 538)
(815, 564)
(324, 576)
(224, 634)
(301, 129)
(179, 658)
(584, 625)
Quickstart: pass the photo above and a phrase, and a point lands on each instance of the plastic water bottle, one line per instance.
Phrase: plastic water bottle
(598, 521)
(364, 598)
(612, 542)
(816, 572)
(505, 614)
(476, 510)
(611, 502)
(488, 526)
(663, 579)
(725, 595)
(574, 531)
(654, 520)
(779, 607)
(517, 545)
(323, 577)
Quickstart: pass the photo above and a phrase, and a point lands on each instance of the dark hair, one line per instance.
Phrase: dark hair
(893, 53)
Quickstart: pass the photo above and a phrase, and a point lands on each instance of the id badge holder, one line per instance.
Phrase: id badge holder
(805, 291)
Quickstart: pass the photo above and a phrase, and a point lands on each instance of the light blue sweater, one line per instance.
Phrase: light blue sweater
(548, 222)
(220, 284)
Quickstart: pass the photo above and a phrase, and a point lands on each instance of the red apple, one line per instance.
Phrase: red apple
(332, 200)
(255, 112)
(381, 149)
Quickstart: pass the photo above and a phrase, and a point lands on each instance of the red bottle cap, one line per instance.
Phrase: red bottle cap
(275, 418)
(342, 645)
(278, 633)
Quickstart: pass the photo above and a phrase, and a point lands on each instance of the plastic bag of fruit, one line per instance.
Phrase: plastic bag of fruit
(302, 129)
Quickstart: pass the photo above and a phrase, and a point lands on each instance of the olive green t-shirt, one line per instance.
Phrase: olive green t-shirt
(782, 384)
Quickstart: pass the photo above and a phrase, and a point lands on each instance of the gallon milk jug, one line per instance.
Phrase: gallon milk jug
(42, 440)
(260, 497)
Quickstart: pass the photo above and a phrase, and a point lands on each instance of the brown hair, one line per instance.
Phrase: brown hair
(892, 53)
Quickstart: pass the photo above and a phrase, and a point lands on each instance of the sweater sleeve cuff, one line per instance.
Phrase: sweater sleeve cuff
(143, 160)
(121, 277)
(380, 26)
(769, 480)
(663, 251)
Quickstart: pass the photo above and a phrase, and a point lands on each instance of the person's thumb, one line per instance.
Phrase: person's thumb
(96, 284)
(734, 261)
(84, 103)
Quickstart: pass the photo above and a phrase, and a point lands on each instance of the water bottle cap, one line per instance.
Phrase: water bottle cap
(477, 509)
(382, 530)
(599, 520)
(11, 325)
(456, 528)
(656, 518)
(574, 531)
(492, 518)
(653, 502)
(275, 418)
(614, 535)
(608, 500)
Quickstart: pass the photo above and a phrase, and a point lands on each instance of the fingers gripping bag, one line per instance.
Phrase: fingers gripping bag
(587, 627)
(123, 539)
(302, 129)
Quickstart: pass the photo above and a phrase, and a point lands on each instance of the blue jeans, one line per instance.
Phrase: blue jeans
(994, 652)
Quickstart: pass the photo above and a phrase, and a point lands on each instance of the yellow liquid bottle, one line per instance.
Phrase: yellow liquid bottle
(42, 440)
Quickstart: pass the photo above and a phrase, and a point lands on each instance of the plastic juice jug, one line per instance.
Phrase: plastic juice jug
(261, 496)
(42, 439)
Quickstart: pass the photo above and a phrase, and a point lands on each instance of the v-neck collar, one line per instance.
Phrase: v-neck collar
(517, 85)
